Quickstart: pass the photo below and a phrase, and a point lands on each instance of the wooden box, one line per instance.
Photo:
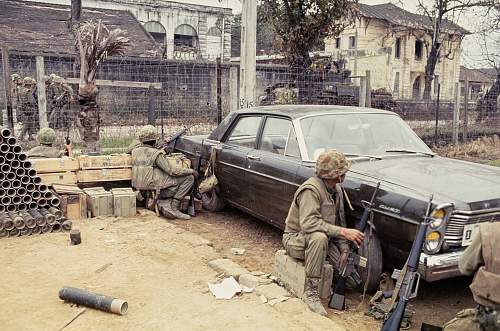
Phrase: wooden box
(99, 202)
(124, 202)
(103, 175)
(73, 206)
(58, 178)
(62, 164)
(105, 161)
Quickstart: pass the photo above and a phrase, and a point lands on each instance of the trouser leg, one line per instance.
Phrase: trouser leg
(312, 248)
(465, 320)
(334, 255)
(184, 186)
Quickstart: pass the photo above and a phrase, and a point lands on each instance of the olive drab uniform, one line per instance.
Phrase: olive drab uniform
(151, 171)
(313, 226)
(44, 151)
(483, 259)
(61, 95)
(28, 111)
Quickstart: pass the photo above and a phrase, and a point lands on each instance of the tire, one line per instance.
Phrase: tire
(372, 250)
(211, 201)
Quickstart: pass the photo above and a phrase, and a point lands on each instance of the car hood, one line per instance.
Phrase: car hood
(452, 180)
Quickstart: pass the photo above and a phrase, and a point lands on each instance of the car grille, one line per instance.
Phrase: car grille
(459, 219)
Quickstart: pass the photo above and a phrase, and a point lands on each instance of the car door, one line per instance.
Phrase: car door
(232, 160)
(272, 169)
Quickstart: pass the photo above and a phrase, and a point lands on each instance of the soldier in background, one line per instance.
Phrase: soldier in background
(62, 96)
(28, 108)
(46, 138)
(16, 84)
(152, 171)
(482, 259)
(315, 227)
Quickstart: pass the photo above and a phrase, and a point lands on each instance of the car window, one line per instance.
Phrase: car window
(275, 135)
(245, 131)
(292, 146)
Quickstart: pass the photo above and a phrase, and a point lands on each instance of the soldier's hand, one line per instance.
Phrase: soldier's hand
(353, 235)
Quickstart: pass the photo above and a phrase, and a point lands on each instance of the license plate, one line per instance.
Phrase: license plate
(469, 231)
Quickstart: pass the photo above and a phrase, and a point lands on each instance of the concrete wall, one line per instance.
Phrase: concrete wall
(376, 52)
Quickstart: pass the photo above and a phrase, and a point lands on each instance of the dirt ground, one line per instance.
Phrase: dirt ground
(436, 303)
(159, 268)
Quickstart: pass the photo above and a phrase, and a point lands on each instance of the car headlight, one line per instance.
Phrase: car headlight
(438, 216)
(432, 241)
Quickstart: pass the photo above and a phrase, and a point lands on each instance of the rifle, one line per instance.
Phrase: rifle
(409, 278)
(191, 209)
(337, 300)
(169, 146)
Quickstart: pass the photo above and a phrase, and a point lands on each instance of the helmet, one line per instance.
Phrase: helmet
(46, 136)
(15, 77)
(147, 133)
(29, 81)
(332, 164)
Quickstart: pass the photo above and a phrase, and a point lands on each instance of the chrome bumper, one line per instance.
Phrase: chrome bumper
(439, 266)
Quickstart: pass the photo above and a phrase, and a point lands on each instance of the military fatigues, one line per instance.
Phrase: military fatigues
(28, 112)
(44, 151)
(60, 99)
(313, 226)
(482, 255)
(151, 171)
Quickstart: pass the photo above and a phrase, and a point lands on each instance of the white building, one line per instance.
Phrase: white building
(185, 30)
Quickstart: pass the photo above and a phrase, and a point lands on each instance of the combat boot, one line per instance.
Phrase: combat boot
(176, 212)
(165, 207)
(311, 296)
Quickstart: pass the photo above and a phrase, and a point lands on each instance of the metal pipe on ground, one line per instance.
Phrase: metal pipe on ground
(47, 195)
(6, 201)
(32, 205)
(16, 149)
(2, 193)
(5, 133)
(15, 164)
(10, 176)
(11, 208)
(14, 233)
(9, 156)
(22, 157)
(11, 141)
(21, 192)
(30, 187)
(36, 195)
(16, 200)
(42, 188)
(93, 300)
(27, 199)
(41, 203)
(2, 208)
(56, 227)
(36, 180)
(17, 219)
(36, 230)
(26, 180)
(40, 221)
(67, 225)
(55, 201)
(20, 172)
(56, 212)
(2, 176)
(2, 160)
(46, 228)
(28, 219)
(22, 207)
(16, 183)
(4, 148)
(4, 233)
(26, 232)
(8, 224)
(49, 218)
(27, 165)
(5, 168)
(11, 192)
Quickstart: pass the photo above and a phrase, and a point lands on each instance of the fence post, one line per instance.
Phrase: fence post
(219, 90)
(233, 88)
(362, 91)
(6, 80)
(437, 115)
(42, 96)
(466, 109)
(368, 89)
(456, 113)
(151, 108)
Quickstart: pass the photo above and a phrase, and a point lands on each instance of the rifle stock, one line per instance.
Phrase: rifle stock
(191, 207)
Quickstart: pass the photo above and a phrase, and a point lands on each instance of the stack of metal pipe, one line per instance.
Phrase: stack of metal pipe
(26, 205)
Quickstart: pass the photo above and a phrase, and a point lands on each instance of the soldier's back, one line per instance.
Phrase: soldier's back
(42, 152)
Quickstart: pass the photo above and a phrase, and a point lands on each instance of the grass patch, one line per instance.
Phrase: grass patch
(495, 163)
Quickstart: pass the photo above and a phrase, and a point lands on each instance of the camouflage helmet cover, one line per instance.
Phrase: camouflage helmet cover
(15, 77)
(29, 81)
(46, 136)
(147, 133)
(332, 164)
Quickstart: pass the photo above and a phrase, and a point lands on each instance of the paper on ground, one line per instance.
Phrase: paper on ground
(226, 289)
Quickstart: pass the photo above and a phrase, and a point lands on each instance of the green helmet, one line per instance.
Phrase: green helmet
(332, 164)
(147, 133)
(46, 136)
(15, 77)
(29, 81)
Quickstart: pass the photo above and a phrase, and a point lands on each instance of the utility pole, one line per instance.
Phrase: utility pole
(248, 50)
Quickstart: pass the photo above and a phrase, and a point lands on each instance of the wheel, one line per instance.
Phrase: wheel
(372, 250)
(211, 200)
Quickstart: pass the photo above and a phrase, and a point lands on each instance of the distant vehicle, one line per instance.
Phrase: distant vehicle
(265, 153)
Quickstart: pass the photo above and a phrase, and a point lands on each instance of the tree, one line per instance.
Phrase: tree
(442, 15)
(302, 25)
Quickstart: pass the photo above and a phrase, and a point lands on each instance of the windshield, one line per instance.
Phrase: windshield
(359, 134)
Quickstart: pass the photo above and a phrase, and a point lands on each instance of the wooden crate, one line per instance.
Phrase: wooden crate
(73, 206)
(49, 165)
(99, 202)
(58, 178)
(105, 161)
(103, 175)
(124, 202)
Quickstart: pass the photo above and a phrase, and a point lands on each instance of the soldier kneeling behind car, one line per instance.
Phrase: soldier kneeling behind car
(482, 257)
(152, 171)
(316, 225)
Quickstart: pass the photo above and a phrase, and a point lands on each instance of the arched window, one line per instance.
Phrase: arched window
(214, 32)
(185, 35)
(156, 30)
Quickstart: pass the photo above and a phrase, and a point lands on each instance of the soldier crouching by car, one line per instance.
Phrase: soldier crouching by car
(316, 225)
(482, 258)
(152, 172)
